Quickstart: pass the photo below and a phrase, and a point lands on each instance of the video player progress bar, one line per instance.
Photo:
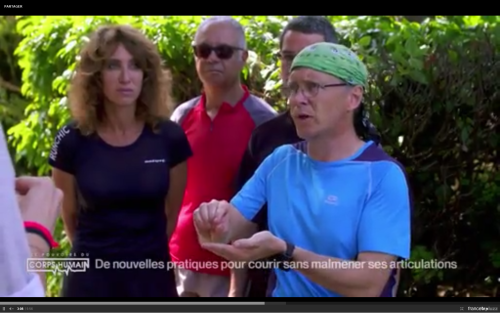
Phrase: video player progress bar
(153, 307)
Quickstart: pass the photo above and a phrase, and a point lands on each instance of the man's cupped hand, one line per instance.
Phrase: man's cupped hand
(213, 227)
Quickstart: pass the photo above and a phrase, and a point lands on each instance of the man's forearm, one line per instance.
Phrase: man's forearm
(239, 226)
(350, 278)
(13, 241)
(239, 282)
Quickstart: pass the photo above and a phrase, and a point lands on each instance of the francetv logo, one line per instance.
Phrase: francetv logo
(57, 265)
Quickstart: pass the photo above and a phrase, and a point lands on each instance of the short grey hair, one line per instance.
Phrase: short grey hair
(242, 42)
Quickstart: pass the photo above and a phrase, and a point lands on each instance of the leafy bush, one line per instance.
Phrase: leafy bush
(433, 96)
(12, 103)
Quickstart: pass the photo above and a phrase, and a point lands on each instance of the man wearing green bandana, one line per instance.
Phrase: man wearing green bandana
(339, 207)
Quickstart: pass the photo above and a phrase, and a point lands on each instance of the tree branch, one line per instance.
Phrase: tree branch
(9, 86)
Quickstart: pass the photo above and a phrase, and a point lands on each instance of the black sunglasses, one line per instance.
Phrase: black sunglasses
(223, 52)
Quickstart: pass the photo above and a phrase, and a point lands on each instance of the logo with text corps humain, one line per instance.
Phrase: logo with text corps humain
(57, 265)
(12, 6)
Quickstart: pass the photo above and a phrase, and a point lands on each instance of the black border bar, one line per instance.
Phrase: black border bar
(244, 307)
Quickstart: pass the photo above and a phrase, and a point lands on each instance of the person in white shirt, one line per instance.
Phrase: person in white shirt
(33, 200)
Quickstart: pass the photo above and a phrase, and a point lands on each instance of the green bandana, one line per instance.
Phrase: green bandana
(336, 60)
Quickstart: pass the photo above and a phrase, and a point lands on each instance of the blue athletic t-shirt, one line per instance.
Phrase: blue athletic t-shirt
(121, 191)
(337, 209)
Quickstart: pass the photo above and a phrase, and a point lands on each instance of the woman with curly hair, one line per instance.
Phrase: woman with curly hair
(121, 164)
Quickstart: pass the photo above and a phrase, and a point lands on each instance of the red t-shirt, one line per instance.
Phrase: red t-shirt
(218, 146)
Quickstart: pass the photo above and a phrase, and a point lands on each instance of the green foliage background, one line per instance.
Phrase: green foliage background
(433, 96)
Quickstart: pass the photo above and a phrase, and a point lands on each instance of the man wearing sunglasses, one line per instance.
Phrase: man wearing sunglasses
(218, 125)
(299, 33)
